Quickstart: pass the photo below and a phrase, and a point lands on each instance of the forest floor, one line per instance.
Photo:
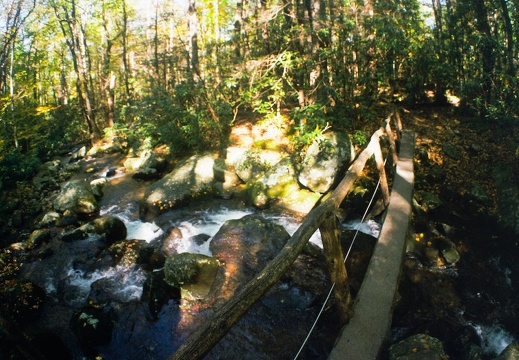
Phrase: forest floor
(464, 148)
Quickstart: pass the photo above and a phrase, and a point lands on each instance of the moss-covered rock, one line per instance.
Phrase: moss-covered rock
(194, 274)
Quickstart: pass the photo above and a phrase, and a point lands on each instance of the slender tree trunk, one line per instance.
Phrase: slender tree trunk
(487, 51)
(439, 93)
(68, 20)
(510, 67)
(192, 42)
(126, 67)
(11, 93)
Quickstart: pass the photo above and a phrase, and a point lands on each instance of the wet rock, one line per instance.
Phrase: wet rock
(111, 172)
(78, 197)
(156, 292)
(418, 347)
(49, 219)
(73, 235)
(97, 186)
(190, 178)
(38, 237)
(171, 241)
(124, 253)
(448, 250)
(199, 239)
(110, 227)
(93, 327)
(194, 274)
(245, 246)
(78, 154)
(510, 353)
(325, 160)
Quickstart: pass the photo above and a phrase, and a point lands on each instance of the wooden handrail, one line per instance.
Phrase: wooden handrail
(321, 217)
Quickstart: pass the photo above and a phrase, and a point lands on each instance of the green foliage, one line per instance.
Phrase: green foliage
(15, 166)
(311, 122)
(360, 138)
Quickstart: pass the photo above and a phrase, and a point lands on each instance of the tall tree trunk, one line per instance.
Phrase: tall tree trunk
(192, 42)
(68, 20)
(510, 67)
(108, 75)
(487, 51)
(126, 67)
(439, 93)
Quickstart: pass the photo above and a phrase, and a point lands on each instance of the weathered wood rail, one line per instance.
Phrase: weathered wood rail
(321, 217)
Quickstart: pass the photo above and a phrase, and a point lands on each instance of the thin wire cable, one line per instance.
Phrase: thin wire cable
(333, 284)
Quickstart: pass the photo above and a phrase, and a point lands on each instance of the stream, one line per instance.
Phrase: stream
(75, 274)
(477, 294)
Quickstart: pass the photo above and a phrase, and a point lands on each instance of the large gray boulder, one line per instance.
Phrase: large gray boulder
(245, 246)
(76, 196)
(279, 186)
(324, 161)
(190, 178)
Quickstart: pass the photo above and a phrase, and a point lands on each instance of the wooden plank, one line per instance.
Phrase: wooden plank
(367, 330)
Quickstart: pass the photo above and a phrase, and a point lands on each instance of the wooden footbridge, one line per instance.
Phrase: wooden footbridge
(368, 318)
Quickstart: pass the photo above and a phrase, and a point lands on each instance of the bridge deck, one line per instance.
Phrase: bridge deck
(363, 337)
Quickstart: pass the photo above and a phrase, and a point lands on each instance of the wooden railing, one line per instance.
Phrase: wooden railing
(321, 217)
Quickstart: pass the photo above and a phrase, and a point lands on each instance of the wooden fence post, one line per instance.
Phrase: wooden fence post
(392, 144)
(336, 268)
(377, 152)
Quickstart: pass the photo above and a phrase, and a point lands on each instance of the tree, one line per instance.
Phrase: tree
(69, 18)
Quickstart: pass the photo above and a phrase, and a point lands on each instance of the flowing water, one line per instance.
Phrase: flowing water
(74, 274)
(278, 323)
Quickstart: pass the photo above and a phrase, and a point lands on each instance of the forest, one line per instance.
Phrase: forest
(181, 73)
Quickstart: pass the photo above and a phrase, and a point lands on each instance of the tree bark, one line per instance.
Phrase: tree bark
(487, 51)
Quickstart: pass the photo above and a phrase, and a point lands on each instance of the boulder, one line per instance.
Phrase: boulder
(110, 227)
(190, 178)
(97, 187)
(146, 166)
(77, 197)
(418, 347)
(245, 246)
(279, 186)
(156, 292)
(511, 352)
(38, 237)
(325, 160)
(49, 219)
(194, 274)
(93, 327)
(250, 163)
(172, 241)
